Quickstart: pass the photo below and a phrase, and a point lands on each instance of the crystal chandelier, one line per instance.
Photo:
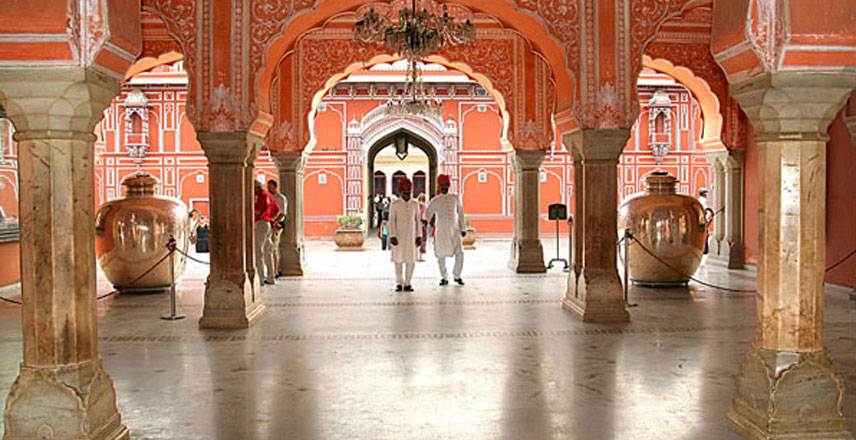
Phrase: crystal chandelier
(416, 34)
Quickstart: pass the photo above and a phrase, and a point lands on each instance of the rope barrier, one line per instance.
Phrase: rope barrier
(170, 247)
(679, 272)
(186, 255)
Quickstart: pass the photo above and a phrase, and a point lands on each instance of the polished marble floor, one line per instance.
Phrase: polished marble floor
(340, 355)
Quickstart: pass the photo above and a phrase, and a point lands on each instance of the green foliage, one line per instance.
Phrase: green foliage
(350, 221)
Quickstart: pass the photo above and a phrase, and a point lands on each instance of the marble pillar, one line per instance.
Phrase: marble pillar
(62, 390)
(231, 300)
(292, 251)
(527, 254)
(787, 387)
(254, 145)
(726, 241)
(716, 202)
(594, 290)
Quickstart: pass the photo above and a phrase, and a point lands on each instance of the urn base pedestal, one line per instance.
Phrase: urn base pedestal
(65, 402)
(788, 396)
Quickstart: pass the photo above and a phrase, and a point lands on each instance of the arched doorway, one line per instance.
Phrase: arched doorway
(413, 140)
(379, 184)
(419, 183)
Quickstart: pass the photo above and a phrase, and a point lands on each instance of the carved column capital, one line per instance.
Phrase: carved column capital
(597, 145)
(793, 106)
(225, 147)
(525, 160)
(294, 161)
(56, 102)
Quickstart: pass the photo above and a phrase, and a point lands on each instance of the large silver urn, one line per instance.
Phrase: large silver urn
(131, 234)
(672, 226)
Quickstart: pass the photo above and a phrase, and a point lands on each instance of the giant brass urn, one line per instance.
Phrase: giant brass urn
(131, 234)
(671, 226)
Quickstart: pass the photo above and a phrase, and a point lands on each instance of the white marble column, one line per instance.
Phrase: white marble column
(231, 300)
(527, 254)
(291, 247)
(62, 390)
(594, 289)
(734, 210)
(787, 387)
(716, 240)
(726, 241)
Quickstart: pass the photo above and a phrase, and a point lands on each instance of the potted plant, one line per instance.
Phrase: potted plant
(350, 235)
(469, 240)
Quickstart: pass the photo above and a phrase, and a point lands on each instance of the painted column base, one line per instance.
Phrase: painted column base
(230, 305)
(785, 395)
(292, 262)
(527, 256)
(596, 297)
(67, 402)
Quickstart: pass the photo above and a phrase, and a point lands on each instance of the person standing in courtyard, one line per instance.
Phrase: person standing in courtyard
(278, 223)
(423, 204)
(405, 235)
(446, 214)
(266, 210)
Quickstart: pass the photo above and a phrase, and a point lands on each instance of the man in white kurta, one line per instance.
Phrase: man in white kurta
(449, 228)
(405, 235)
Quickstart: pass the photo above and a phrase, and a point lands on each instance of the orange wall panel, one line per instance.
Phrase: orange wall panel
(323, 199)
(10, 255)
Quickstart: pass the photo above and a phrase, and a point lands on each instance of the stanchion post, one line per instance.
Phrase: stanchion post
(627, 237)
(570, 243)
(171, 246)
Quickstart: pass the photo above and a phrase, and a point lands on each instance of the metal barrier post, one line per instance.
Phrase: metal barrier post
(172, 312)
(570, 243)
(627, 237)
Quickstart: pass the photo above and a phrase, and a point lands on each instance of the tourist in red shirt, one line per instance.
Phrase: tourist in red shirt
(266, 210)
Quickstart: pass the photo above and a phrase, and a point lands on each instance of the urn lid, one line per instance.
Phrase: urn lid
(140, 183)
(660, 182)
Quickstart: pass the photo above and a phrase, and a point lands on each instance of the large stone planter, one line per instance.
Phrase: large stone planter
(469, 240)
(349, 239)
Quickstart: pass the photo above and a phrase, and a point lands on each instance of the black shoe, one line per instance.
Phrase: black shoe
(268, 283)
(279, 274)
(408, 288)
(398, 287)
(444, 282)
(460, 281)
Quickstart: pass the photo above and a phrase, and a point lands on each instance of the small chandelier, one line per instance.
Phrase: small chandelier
(416, 34)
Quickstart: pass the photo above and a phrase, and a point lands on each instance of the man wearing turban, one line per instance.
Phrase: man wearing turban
(449, 228)
(405, 235)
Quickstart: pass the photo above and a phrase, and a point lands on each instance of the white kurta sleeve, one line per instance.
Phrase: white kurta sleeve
(417, 223)
(462, 223)
(431, 209)
(391, 227)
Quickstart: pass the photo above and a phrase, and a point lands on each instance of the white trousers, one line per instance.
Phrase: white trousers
(459, 264)
(264, 251)
(405, 281)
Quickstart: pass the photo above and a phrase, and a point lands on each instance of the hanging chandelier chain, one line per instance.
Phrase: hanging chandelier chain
(417, 34)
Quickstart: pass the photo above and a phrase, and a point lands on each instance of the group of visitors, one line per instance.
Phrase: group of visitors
(407, 229)
(271, 209)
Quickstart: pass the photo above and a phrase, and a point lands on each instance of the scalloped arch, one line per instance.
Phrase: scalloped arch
(709, 103)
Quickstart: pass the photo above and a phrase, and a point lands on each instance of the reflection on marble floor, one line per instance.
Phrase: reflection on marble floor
(339, 355)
